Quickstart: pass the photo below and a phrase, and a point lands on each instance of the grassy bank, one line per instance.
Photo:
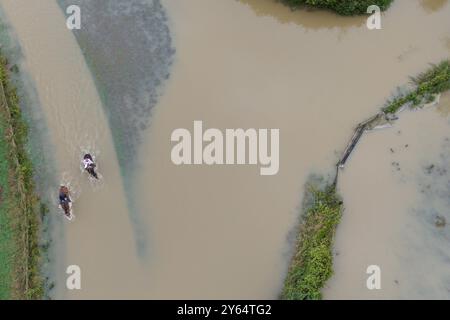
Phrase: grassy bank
(343, 7)
(312, 264)
(6, 234)
(19, 206)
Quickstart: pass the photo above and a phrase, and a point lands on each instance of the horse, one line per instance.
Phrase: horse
(64, 200)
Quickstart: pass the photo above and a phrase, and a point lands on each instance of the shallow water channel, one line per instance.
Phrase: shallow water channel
(139, 69)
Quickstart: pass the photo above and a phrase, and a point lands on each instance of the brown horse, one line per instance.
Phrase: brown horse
(64, 200)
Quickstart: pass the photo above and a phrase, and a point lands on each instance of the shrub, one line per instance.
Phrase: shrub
(312, 264)
(343, 7)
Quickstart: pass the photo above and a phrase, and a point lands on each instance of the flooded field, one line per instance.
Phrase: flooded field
(137, 71)
(396, 192)
(229, 225)
(76, 123)
(127, 46)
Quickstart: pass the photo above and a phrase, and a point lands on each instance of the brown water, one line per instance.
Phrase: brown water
(218, 232)
(221, 232)
(76, 123)
(320, 19)
(395, 190)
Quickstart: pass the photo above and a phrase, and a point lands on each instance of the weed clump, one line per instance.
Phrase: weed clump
(427, 84)
(342, 7)
(312, 264)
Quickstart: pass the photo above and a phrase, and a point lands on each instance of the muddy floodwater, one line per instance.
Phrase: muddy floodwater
(396, 191)
(137, 70)
(76, 124)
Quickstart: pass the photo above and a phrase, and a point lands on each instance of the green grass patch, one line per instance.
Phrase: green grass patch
(19, 205)
(426, 85)
(343, 7)
(312, 264)
(7, 244)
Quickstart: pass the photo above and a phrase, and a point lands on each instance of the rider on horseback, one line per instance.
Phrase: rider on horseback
(64, 195)
(89, 165)
(88, 162)
(64, 199)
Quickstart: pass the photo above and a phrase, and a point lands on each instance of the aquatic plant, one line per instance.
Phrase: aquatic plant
(312, 264)
(343, 7)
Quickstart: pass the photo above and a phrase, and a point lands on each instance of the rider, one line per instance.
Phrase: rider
(64, 195)
(89, 165)
(88, 162)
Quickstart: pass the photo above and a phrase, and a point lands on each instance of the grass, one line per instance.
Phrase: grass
(6, 233)
(19, 206)
(343, 7)
(433, 81)
(312, 264)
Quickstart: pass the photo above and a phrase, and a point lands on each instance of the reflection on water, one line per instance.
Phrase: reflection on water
(433, 5)
(307, 18)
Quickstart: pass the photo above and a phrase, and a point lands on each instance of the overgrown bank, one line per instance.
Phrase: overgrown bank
(19, 205)
(312, 263)
(343, 7)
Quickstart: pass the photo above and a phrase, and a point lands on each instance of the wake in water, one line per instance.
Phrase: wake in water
(95, 177)
(73, 191)
(128, 47)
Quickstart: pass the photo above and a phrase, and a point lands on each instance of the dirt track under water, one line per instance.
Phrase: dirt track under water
(204, 232)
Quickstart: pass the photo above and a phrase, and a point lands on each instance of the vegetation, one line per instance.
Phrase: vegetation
(19, 206)
(6, 239)
(427, 84)
(343, 7)
(312, 264)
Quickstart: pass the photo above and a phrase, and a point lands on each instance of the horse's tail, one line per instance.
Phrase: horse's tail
(66, 207)
(92, 172)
